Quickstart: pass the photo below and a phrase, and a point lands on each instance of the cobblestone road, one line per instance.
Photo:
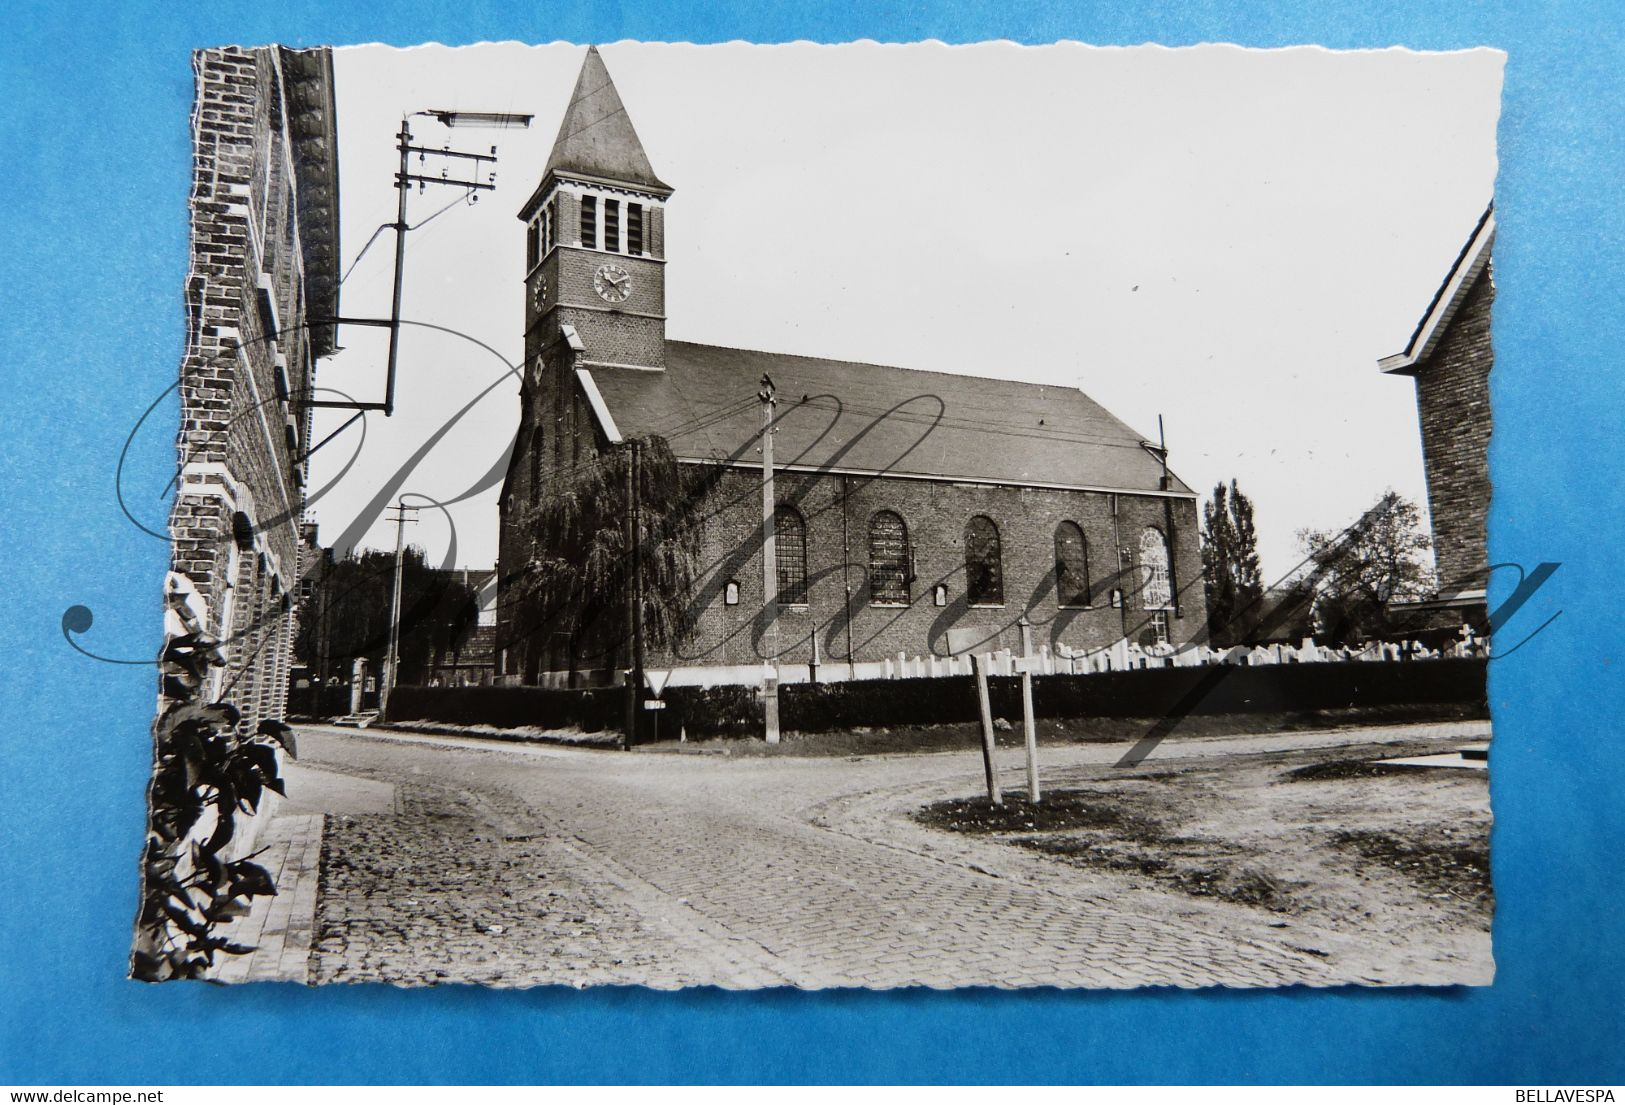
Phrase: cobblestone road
(523, 865)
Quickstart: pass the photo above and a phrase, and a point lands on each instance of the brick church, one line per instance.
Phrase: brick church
(917, 513)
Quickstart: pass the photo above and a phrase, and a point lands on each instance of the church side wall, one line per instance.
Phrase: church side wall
(936, 513)
(1453, 400)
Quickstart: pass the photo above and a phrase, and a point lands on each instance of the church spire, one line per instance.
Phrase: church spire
(597, 139)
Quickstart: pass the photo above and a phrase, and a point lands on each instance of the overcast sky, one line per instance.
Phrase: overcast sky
(1228, 238)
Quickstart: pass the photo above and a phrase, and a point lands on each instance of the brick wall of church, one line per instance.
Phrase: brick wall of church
(1453, 400)
(936, 514)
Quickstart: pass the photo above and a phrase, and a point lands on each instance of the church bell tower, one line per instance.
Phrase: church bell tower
(595, 258)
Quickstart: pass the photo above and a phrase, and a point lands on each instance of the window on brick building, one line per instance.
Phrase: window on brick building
(533, 243)
(790, 551)
(984, 563)
(634, 228)
(1156, 584)
(612, 225)
(266, 310)
(589, 221)
(889, 572)
(1071, 565)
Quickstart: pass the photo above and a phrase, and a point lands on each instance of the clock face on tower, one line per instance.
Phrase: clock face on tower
(612, 283)
(541, 291)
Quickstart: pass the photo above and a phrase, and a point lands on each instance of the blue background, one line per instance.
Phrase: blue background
(95, 145)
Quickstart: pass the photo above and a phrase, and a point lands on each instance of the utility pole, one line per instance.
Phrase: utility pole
(393, 660)
(770, 568)
(637, 566)
(402, 184)
(481, 177)
(1167, 484)
(634, 593)
(629, 538)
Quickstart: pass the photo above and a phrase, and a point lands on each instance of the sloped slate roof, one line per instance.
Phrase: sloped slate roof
(1469, 265)
(596, 139)
(864, 418)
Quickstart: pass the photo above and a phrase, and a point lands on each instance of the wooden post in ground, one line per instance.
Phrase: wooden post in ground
(1030, 725)
(979, 662)
(770, 702)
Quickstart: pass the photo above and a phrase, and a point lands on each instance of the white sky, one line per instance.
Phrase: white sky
(1230, 238)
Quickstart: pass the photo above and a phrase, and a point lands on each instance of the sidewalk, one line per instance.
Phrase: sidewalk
(281, 928)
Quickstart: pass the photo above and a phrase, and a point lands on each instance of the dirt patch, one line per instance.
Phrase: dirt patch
(1319, 836)
(1350, 769)
(1200, 868)
(1089, 828)
(1058, 811)
(1444, 859)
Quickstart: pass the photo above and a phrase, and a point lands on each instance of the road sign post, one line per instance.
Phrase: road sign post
(979, 662)
(1029, 724)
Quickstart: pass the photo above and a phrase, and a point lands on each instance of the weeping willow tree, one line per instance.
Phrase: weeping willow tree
(579, 569)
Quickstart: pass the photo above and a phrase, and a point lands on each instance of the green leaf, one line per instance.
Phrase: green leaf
(281, 732)
(248, 877)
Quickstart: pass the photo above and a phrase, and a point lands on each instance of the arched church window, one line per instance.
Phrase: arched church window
(612, 225)
(1071, 565)
(790, 540)
(1155, 582)
(888, 559)
(984, 563)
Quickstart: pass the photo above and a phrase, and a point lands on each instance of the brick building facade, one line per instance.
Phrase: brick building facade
(263, 265)
(1450, 357)
(918, 512)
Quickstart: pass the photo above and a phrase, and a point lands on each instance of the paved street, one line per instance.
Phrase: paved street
(529, 864)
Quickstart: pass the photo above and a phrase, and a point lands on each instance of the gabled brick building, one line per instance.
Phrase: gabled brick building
(1450, 357)
(263, 265)
(917, 512)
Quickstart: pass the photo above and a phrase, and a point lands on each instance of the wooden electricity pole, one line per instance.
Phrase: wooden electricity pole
(393, 660)
(637, 576)
(770, 569)
(630, 580)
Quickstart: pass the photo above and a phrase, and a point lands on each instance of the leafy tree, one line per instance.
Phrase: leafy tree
(1380, 559)
(573, 583)
(437, 610)
(1230, 565)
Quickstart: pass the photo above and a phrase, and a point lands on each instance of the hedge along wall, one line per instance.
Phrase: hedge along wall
(704, 711)
(313, 701)
(812, 708)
